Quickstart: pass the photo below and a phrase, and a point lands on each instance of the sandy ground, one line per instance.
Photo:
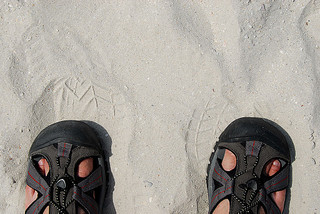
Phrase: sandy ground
(163, 78)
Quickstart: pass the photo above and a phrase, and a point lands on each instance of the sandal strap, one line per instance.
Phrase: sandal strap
(36, 182)
(64, 149)
(38, 205)
(225, 190)
(246, 189)
(279, 182)
(269, 205)
(92, 181)
(89, 183)
(253, 148)
(87, 202)
(64, 145)
(63, 159)
(220, 175)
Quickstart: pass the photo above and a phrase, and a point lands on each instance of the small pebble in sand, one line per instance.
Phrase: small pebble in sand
(148, 183)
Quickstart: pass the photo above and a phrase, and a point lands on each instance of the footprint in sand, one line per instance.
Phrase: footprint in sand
(202, 132)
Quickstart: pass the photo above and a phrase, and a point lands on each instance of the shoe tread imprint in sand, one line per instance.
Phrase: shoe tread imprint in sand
(203, 129)
(212, 115)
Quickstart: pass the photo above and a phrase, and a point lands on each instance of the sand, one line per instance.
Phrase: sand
(163, 78)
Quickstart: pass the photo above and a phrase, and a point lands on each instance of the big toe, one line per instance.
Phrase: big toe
(229, 160)
(274, 168)
(85, 167)
(84, 170)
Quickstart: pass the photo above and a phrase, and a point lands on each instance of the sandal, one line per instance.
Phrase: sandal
(255, 142)
(64, 145)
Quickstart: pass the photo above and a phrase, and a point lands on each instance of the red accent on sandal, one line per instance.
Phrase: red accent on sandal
(221, 176)
(86, 201)
(37, 181)
(254, 142)
(64, 149)
(277, 183)
(267, 202)
(92, 181)
(40, 203)
(219, 194)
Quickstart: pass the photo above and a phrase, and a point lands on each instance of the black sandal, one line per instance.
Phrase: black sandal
(64, 145)
(255, 142)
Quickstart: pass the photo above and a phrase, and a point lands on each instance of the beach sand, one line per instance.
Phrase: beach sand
(163, 78)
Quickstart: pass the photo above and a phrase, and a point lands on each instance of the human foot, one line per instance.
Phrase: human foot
(229, 163)
(84, 169)
(66, 171)
(250, 168)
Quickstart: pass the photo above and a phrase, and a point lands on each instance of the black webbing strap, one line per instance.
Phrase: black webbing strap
(65, 190)
(87, 202)
(89, 183)
(92, 181)
(279, 181)
(269, 205)
(226, 189)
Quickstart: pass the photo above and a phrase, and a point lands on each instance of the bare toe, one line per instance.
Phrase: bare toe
(32, 195)
(228, 163)
(280, 196)
(273, 167)
(222, 208)
(85, 168)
